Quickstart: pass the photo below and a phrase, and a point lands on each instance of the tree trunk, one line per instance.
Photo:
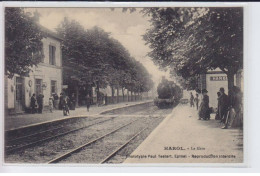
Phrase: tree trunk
(230, 72)
(230, 77)
(97, 91)
(117, 94)
(131, 95)
(127, 95)
(123, 94)
(77, 96)
(113, 93)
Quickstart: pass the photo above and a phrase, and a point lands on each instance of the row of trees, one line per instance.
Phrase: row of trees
(90, 57)
(190, 41)
(93, 57)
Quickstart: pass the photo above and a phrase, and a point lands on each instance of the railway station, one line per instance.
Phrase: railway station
(123, 86)
(127, 133)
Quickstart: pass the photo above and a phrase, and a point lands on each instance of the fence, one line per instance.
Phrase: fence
(116, 99)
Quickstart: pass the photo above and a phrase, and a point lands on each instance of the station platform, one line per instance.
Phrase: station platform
(23, 120)
(182, 138)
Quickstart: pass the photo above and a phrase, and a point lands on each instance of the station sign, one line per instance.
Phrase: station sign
(218, 78)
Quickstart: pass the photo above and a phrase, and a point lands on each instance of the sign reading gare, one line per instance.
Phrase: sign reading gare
(218, 78)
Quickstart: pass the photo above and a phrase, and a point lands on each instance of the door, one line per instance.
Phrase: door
(38, 86)
(53, 87)
(19, 95)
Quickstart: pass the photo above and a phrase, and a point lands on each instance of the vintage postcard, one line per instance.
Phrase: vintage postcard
(124, 85)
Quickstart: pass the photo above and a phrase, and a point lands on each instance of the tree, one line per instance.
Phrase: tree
(227, 24)
(193, 40)
(23, 45)
(93, 57)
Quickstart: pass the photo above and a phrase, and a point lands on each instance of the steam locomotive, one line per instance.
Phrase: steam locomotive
(169, 94)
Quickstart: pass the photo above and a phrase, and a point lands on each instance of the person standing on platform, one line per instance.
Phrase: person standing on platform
(33, 103)
(73, 102)
(51, 103)
(65, 104)
(40, 102)
(223, 105)
(52, 97)
(61, 101)
(55, 100)
(237, 121)
(217, 117)
(204, 112)
(88, 102)
(235, 107)
(191, 100)
(196, 100)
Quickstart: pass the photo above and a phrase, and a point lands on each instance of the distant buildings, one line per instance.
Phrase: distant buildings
(46, 78)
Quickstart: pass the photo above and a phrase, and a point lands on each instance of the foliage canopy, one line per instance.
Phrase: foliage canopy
(23, 46)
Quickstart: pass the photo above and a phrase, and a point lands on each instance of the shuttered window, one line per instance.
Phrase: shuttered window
(52, 50)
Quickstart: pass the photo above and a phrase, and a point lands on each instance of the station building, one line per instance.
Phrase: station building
(215, 79)
(45, 78)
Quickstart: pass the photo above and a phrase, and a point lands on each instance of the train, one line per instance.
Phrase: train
(169, 94)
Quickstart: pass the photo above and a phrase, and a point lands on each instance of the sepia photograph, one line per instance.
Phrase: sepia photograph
(124, 85)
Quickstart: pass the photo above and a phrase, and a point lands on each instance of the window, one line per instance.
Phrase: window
(52, 50)
(37, 54)
(53, 87)
(41, 53)
(19, 89)
(38, 86)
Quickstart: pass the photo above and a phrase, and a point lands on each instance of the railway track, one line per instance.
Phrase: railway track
(23, 142)
(116, 149)
(67, 147)
(45, 131)
(121, 147)
(38, 127)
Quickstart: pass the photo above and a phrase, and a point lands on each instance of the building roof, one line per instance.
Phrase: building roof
(50, 33)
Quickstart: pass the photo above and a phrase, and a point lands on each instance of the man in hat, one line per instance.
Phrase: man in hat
(223, 105)
(33, 103)
(40, 102)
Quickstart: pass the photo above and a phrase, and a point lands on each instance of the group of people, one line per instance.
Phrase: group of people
(37, 103)
(204, 110)
(66, 103)
(194, 100)
(229, 109)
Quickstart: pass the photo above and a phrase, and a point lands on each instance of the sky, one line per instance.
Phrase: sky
(126, 27)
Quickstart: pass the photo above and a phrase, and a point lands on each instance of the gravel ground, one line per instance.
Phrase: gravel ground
(52, 131)
(97, 151)
(198, 141)
(128, 149)
(49, 150)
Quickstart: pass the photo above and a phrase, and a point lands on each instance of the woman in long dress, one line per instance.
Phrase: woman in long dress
(204, 106)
